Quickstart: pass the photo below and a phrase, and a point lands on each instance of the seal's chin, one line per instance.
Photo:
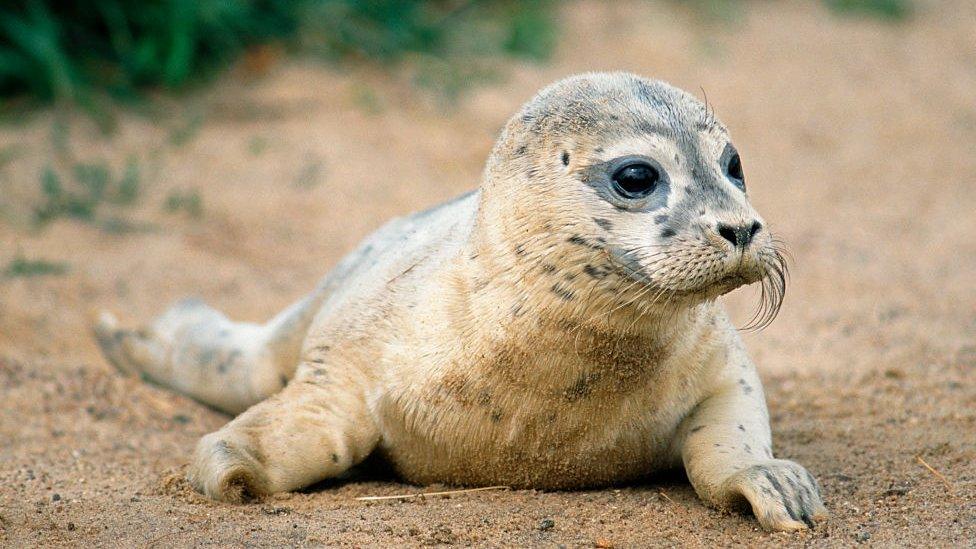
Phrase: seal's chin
(729, 282)
(735, 280)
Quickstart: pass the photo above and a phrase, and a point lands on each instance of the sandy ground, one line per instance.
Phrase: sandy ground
(858, 139)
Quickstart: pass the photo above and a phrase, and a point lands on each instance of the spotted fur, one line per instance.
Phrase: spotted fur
(541, 332)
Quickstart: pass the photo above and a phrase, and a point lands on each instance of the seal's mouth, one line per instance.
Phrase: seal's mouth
(703, 277)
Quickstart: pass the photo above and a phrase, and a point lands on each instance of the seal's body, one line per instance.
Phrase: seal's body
(555, 329)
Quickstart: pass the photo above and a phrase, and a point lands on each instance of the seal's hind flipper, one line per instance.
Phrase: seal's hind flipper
(195, 350)
(130, 351)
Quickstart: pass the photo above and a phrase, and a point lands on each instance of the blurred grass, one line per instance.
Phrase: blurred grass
(82, 196)
(893, 10)
(20, 266)
(188, 202)
(56, 50)
(83, 50)
(886, 10)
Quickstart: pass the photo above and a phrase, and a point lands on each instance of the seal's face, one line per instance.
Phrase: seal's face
(650, 170)
(678, 207)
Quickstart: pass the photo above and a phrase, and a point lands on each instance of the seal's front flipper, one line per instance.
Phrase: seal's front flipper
(725, 446)
(317, 428)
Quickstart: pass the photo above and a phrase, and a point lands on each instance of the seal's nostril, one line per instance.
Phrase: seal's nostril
(740, 236)
(728, 233)
(756, 227)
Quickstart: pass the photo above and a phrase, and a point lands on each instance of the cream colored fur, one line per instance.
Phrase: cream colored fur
(530, 334)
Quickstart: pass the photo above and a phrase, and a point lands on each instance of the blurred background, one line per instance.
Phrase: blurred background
(235, 149)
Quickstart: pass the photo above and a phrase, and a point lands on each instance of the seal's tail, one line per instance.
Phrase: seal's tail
(195, 350)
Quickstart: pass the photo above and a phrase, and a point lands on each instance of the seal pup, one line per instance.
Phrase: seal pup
(555, 329)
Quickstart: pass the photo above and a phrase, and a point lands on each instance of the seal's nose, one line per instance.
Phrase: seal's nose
(740, 236)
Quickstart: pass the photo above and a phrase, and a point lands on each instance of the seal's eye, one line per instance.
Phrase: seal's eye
(635, 180)
(733, 167)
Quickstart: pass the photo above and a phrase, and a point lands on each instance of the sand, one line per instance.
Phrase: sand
(859, 144)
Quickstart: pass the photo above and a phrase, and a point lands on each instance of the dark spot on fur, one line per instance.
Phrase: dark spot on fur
(580, 241)
(701, 211)
(484, 398)
(335, 458)
(698, 428)
(564, 293)
(569, 277)
(582, 387)
(283, 379)
(565, 158)
(532, 172)
(521, 150)
(517, 310)
(228, 361)
(668, 233)
(746, 388)
(206, 356)
(663, 218)
(677, 159)
(496, 416)
(741, 428)
(598, 150)
(323, 348)
(604, 224)
(747, 448)
(317, 361)
(548, 267)
(320, 372)
(596, 272)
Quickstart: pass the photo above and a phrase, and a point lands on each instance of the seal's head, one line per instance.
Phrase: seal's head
(630, 183)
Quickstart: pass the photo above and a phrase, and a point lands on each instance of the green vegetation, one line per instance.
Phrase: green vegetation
(81, 50)
(894, 10)
(718, 10)
(730, 10)
(82, 195)
(58, 50)
(188, 202)
(23, 267)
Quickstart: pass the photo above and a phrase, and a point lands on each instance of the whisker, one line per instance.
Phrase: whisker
(772, 288)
